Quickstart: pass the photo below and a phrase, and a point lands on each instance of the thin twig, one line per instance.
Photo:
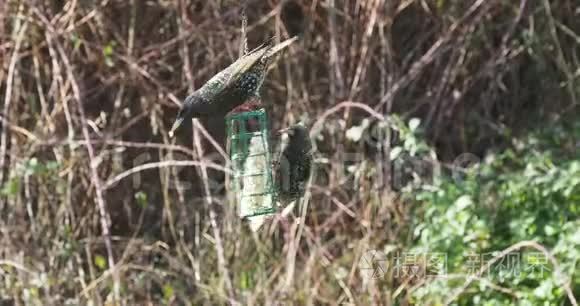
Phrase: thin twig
(473, 15)
(346, 104)
(561, 59)
(7, 124)
(243, 33)
(213, 217)
(162, 164)
(16, 265)
(8, 96)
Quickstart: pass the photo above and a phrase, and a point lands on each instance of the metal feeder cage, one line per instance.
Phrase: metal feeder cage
(251, 181)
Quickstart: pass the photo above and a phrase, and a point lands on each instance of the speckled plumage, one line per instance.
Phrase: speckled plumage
(295, 165)
(231, 87)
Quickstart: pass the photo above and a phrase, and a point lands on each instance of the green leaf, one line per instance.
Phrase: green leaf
(244, 280)
(463, 202)
(168, 292)
(100, 262)
(395, 152)
(76, 41)
(414, 124)
(355, 133)
(550, 230)
(11, 188)
(141, 198)
(108, 52)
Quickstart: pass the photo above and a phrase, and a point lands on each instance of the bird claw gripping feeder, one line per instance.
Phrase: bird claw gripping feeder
(251, 181)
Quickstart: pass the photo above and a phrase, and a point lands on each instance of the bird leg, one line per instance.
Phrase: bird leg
(251, 104)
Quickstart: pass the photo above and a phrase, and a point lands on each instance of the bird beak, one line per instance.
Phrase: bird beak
(176, 124)
(282, 131)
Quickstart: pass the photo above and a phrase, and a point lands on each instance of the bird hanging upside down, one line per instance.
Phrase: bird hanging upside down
(295, 165)
(233, 86)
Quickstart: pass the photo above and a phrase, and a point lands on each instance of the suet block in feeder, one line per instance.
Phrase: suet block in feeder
(251, 182)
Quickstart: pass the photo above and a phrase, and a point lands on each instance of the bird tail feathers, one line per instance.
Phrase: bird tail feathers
(270, 49)
(279, 47)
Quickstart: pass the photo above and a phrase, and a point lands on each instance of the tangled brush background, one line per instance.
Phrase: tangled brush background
(440, 127)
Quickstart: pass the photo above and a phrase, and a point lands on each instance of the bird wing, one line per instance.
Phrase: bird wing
(262, 53)
(227, 77)
(244, 64)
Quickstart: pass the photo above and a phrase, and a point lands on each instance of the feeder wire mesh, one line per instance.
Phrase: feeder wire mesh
(252, 180)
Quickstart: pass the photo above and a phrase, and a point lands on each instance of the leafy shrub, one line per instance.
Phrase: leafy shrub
(530, 192)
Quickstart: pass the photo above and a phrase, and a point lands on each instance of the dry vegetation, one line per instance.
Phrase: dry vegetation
(99, 204)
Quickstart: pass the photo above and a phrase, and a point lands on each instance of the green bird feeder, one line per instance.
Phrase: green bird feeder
(251, 182)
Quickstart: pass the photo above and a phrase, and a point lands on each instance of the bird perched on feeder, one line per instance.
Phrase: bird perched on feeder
(295, 165)
(233, 86)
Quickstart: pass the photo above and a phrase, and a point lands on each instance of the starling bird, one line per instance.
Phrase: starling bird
(232, 86)
(294, 167)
